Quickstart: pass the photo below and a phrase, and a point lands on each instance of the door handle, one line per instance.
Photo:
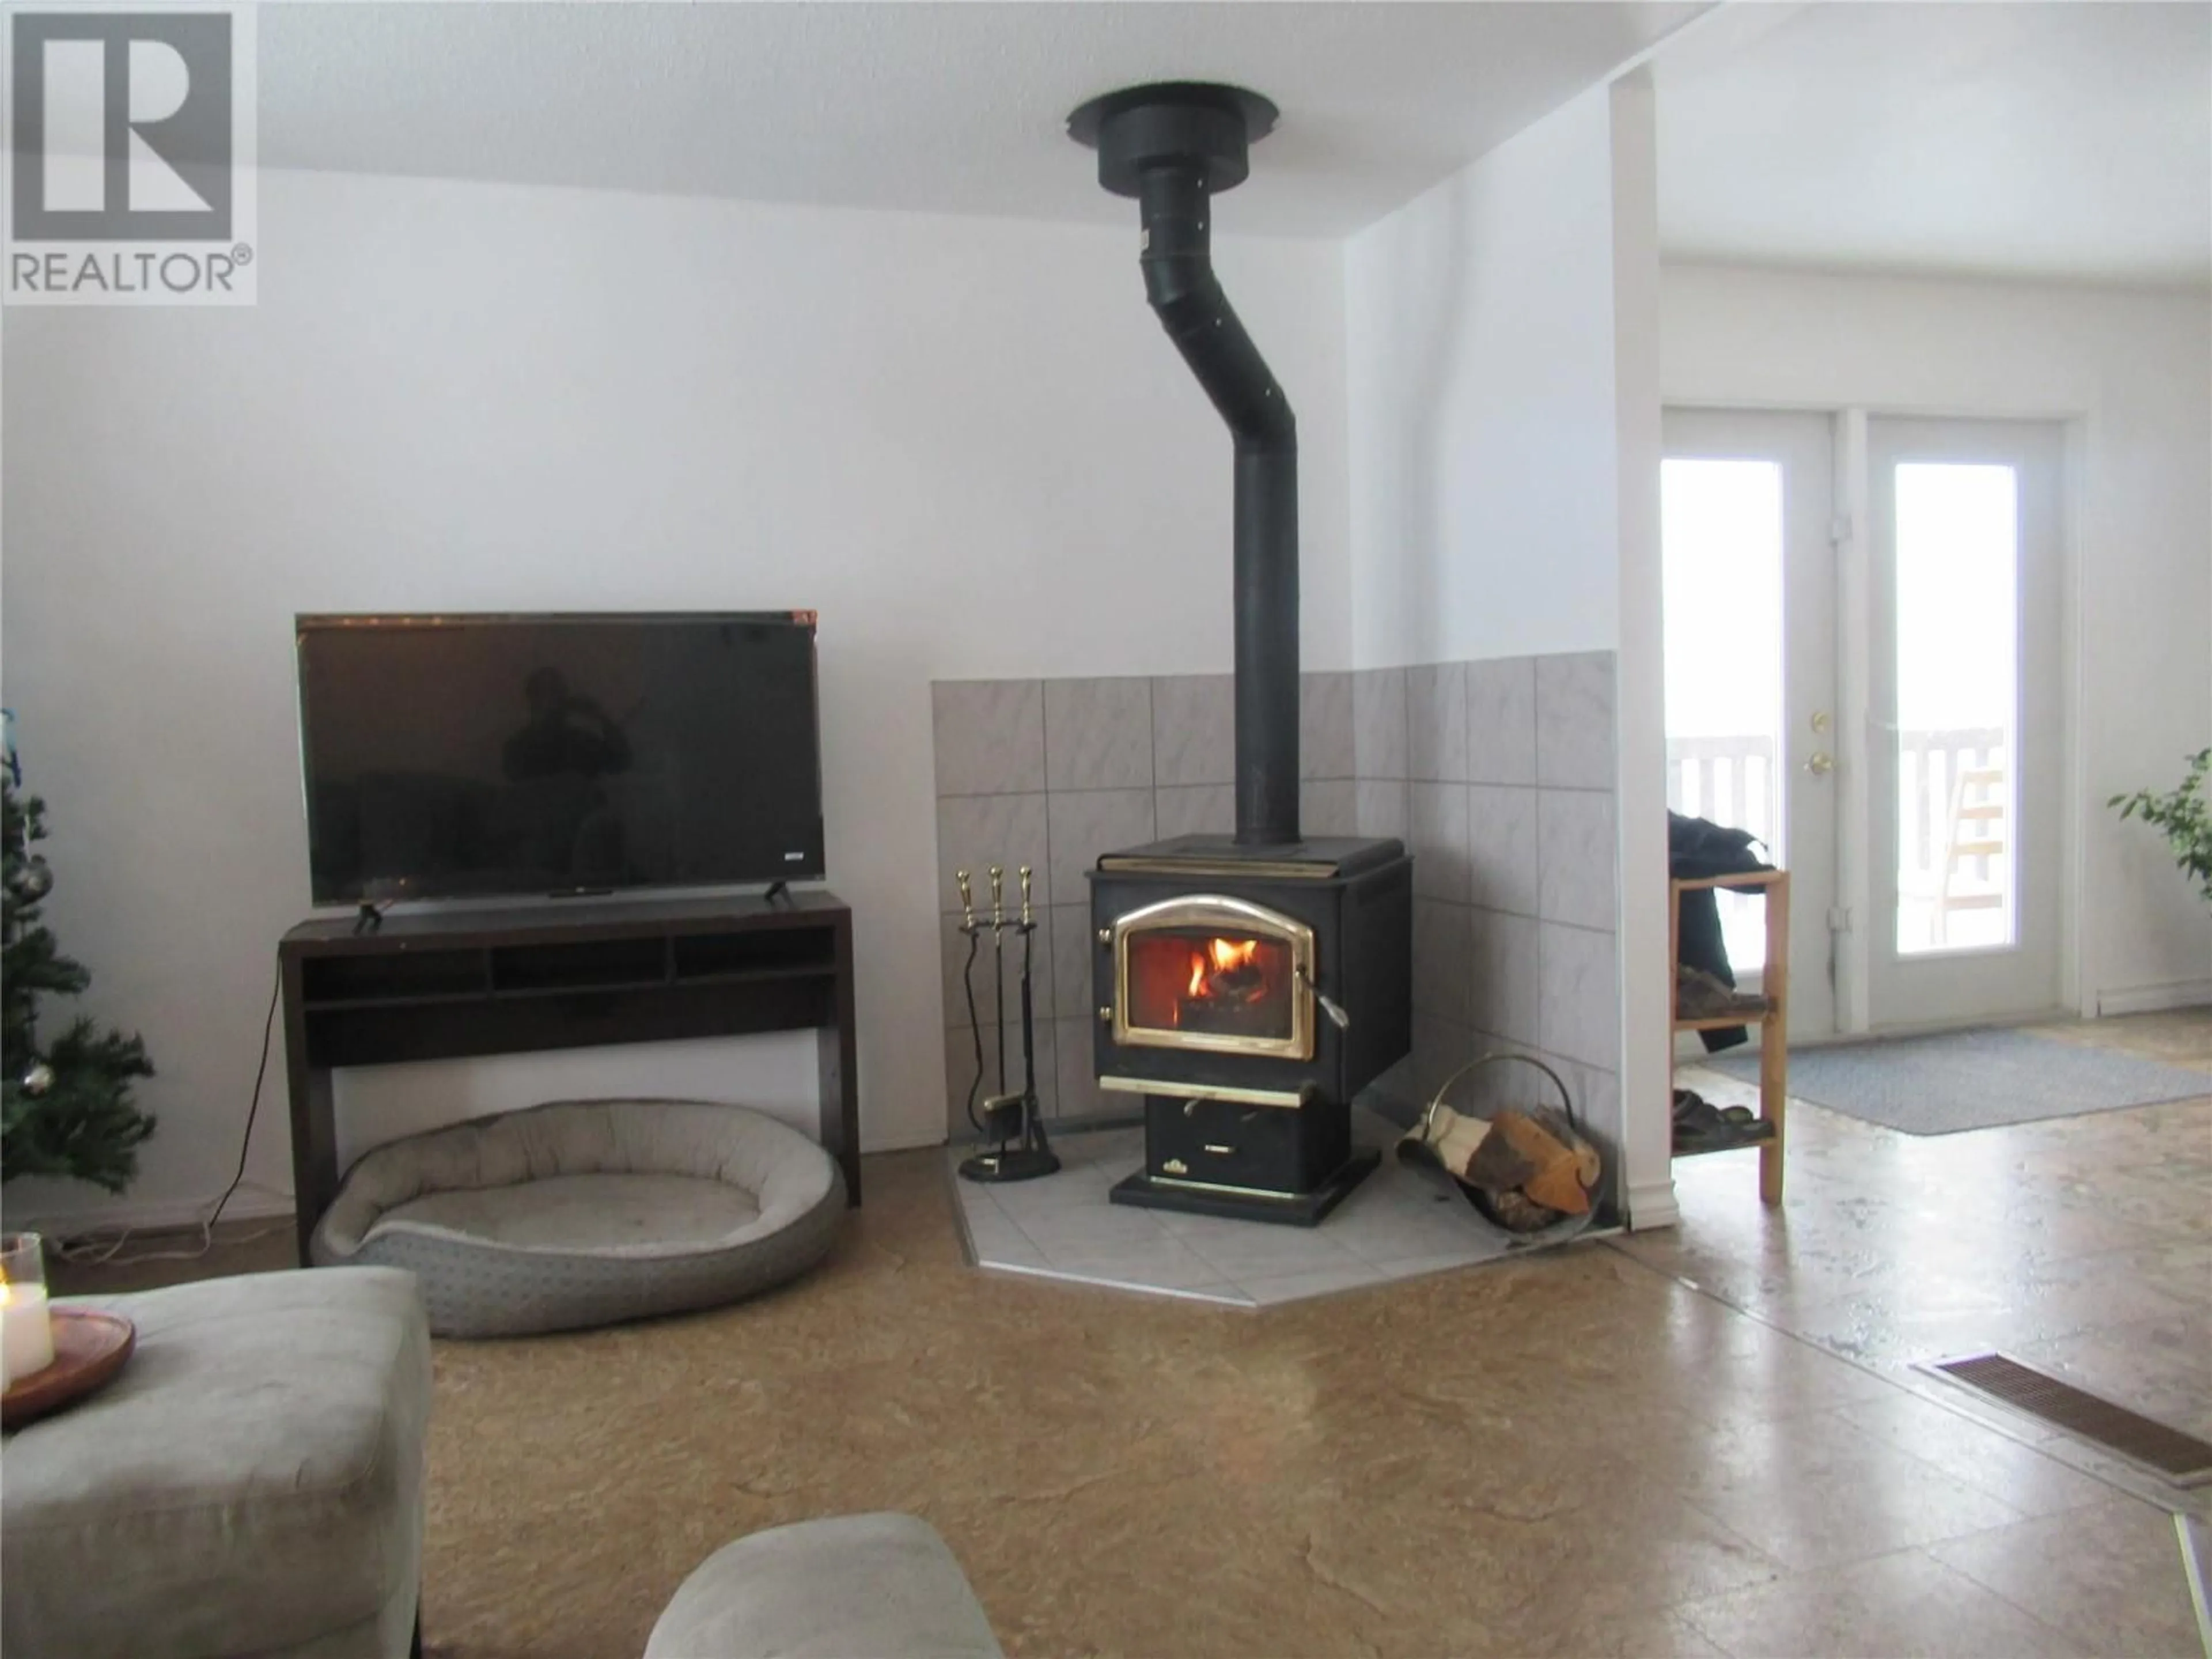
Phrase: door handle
(1819, 763)
(1338, 1018)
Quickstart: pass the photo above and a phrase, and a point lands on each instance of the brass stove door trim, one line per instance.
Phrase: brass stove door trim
(1231, 915)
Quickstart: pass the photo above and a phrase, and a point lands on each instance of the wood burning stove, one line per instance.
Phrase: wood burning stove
(1247, 988)
(1246, 994)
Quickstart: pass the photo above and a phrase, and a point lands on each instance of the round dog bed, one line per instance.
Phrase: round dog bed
(589, 1212)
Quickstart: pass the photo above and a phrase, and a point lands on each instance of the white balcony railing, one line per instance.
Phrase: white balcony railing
(1728, 780)
(1948, 782)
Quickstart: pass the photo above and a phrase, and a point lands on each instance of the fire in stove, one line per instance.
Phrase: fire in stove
(1199, 985)
(1227, 974)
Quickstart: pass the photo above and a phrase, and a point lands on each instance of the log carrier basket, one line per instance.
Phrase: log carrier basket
(1511, 1209)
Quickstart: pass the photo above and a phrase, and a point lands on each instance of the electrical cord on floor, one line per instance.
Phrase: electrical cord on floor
(108, 1252)
(967, 982)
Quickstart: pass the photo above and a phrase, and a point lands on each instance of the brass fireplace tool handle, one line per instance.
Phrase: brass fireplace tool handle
(967, 902)
(997, 905)
(1027, 923)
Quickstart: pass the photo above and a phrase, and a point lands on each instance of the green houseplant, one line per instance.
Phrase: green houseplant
(2185, 817)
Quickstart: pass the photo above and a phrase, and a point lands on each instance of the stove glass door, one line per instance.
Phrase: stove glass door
(1215, 974)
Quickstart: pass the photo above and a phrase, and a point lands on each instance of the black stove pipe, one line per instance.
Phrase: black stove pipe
(1173, 147)
(1175, 206)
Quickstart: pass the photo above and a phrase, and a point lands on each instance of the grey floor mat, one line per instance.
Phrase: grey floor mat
(1939, 1086)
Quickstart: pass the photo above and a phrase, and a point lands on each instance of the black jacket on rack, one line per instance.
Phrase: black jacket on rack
(1698, 847)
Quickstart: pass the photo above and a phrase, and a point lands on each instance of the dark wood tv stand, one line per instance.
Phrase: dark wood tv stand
(566, 974)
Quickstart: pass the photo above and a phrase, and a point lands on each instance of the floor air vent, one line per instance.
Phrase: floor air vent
(2181, 1458)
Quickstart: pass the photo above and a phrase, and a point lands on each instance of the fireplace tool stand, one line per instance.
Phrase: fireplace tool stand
(1010, 1119)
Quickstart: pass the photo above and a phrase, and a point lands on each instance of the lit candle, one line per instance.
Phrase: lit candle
(26, 1332)
(26, 1335)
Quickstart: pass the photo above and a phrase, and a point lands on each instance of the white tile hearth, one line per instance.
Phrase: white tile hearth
(1402, 1223)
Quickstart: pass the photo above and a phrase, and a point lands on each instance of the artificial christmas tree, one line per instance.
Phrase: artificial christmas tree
(65, 1107)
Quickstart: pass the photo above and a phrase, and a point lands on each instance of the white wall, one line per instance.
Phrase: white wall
(964, 442)
(2135, 369)
(1502, 393)
(1480, 351)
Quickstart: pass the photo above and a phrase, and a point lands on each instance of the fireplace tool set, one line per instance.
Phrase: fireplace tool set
(1010, 1118)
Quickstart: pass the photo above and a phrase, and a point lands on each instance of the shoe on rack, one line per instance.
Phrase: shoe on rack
(1701, 995)
(1702, 1126)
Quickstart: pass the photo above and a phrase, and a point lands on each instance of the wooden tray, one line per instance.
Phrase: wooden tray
(89, 1348)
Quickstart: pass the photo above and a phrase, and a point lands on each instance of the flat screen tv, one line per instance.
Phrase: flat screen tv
(473, 756)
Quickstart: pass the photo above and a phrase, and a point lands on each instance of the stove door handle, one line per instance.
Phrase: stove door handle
(1337, 1017)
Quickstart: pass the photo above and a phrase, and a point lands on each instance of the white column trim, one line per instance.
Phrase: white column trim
(1639, 694)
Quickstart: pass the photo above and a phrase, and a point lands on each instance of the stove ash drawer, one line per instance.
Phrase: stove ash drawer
(1265, 1149)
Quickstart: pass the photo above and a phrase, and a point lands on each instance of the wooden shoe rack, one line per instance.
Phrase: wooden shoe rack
(1774, 1025)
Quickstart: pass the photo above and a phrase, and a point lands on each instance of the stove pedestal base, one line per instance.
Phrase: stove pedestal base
(1305, 1209)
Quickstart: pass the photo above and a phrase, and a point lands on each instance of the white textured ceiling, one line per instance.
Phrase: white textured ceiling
(2069, 141)
(947, 107)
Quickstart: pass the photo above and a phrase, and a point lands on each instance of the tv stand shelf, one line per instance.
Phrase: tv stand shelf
(458, 984)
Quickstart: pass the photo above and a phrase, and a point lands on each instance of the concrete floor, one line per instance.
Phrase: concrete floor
(1703, 1441)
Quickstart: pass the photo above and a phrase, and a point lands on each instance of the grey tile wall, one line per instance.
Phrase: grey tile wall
(1505, 999)
(1443, 959)
(1378, 723)
(1328, 807)
(1082, 823)
(1051, 773)
(1436, 722)
(1499, 775)
(1579, 985)
(1325, 726)
(1194, 729)
(1380, 808)
(1071, 964)
(990, 735)
(1442, 867)
(1501, 720)
(1501, 821)
(1575, 850)
(1194, 809)
(1574, 720)
(1098, 734)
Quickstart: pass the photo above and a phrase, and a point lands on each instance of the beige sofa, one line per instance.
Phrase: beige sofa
(251, 1484)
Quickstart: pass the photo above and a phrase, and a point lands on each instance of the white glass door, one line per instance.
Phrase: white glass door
(1746, 503)
(1965, 772)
